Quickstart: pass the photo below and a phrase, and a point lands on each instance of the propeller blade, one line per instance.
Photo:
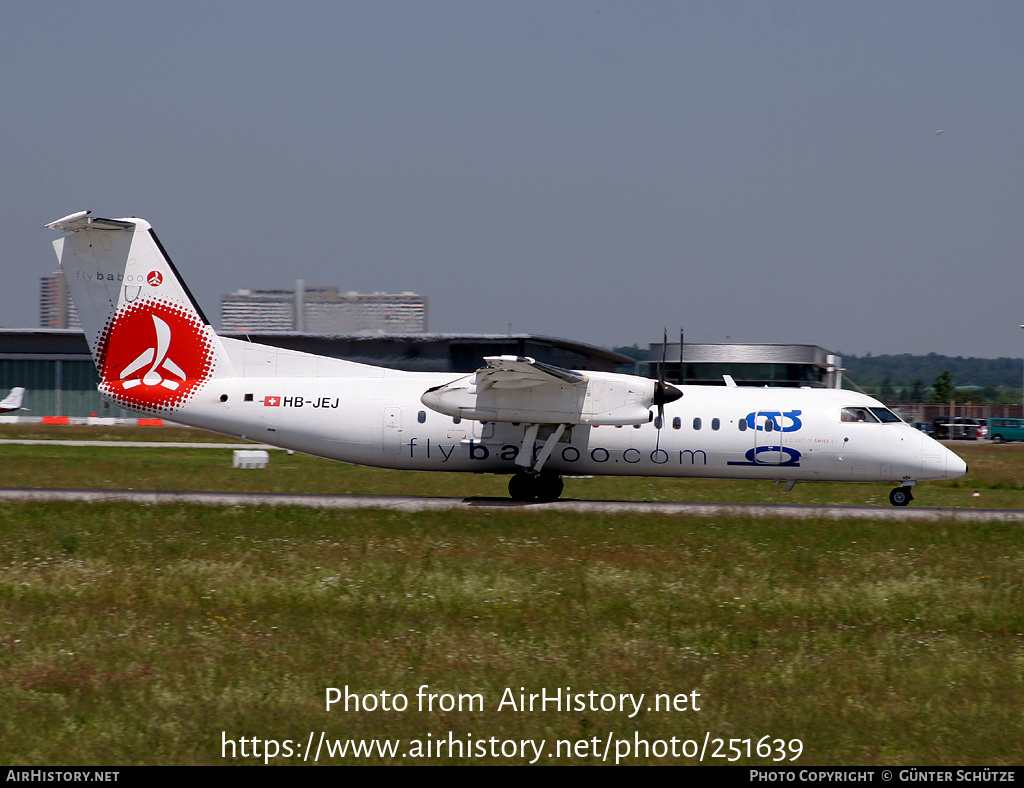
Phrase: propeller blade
(664, 353)
(663, 392)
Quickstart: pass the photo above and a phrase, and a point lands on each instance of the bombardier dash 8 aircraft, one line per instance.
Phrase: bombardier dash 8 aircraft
(157, 354)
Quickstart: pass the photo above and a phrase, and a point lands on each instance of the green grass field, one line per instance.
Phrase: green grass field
(150, 634)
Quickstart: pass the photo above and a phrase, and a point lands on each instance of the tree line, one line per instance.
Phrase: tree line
(937, 378)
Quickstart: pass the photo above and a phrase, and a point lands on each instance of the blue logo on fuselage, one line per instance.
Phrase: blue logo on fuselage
(772, 421)
(776, 417)
(788, 458)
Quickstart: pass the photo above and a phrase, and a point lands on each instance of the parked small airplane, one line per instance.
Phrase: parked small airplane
(13, 400)
(157, 354)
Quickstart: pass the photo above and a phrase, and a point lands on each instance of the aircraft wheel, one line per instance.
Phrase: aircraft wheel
(549, 486)
(900, 496)
(522, 487)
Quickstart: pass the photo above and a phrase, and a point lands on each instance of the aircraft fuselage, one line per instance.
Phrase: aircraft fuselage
(716, 432)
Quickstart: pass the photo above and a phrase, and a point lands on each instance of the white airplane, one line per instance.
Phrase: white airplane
(13, 400)
(158, 355)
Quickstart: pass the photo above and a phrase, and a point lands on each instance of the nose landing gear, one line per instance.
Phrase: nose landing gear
(901, 496)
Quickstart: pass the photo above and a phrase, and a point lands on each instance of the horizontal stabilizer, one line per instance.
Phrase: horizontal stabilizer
(83, 219)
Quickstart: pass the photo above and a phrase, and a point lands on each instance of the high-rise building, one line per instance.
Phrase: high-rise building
(258, 310)
(56, 309)
(323, 310)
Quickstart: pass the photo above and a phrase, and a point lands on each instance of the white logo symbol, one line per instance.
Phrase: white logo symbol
(158, 357)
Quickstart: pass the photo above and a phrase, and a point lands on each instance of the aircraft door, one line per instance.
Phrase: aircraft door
(392, 438)
(769, 430)
(268, 415)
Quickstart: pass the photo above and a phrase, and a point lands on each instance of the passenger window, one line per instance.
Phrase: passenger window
(742, 425)
(696, 423)
(677, 423)
(456, 420)
(715, 424)
(769, 425)
(421, 417)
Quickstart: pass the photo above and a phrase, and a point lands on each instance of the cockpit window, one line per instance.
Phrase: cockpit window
(873, 415)
(858, 414)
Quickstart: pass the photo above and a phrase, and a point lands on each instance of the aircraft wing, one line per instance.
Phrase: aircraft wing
(523, 372)
(522, 390)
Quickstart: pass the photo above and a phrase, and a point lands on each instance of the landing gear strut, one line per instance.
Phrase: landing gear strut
(535, 487)
(901, 496)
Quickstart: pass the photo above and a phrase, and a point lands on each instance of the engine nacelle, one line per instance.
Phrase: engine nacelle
(512, 389)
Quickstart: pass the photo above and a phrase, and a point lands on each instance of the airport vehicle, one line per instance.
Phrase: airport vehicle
(958, 428)
(13, 400)
(158, 355)
(1002, 430)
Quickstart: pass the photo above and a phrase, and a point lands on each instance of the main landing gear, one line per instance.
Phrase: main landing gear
(901, 496)
(530, 483)
(535, 487)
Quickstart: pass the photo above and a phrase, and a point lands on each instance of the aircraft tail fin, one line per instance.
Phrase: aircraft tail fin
(153, 347)
(13, 400)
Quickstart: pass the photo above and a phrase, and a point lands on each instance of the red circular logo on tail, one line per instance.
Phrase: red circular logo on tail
(155, 278)
(157, 355)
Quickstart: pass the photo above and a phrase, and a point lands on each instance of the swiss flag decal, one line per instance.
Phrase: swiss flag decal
(271, 402)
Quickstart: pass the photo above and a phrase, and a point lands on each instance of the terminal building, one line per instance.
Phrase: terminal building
(60, 379)
(55, 367)
(748, 365)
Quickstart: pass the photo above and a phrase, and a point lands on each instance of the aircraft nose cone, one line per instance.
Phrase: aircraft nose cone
(955, 466)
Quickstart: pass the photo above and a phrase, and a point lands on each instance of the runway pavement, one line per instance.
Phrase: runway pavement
(423, 503)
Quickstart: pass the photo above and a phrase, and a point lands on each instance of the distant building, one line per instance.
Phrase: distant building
(258, 310)
(323, 310)
(423, 352)
(56, 309)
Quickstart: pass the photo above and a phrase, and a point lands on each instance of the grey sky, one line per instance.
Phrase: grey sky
(768, 172)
